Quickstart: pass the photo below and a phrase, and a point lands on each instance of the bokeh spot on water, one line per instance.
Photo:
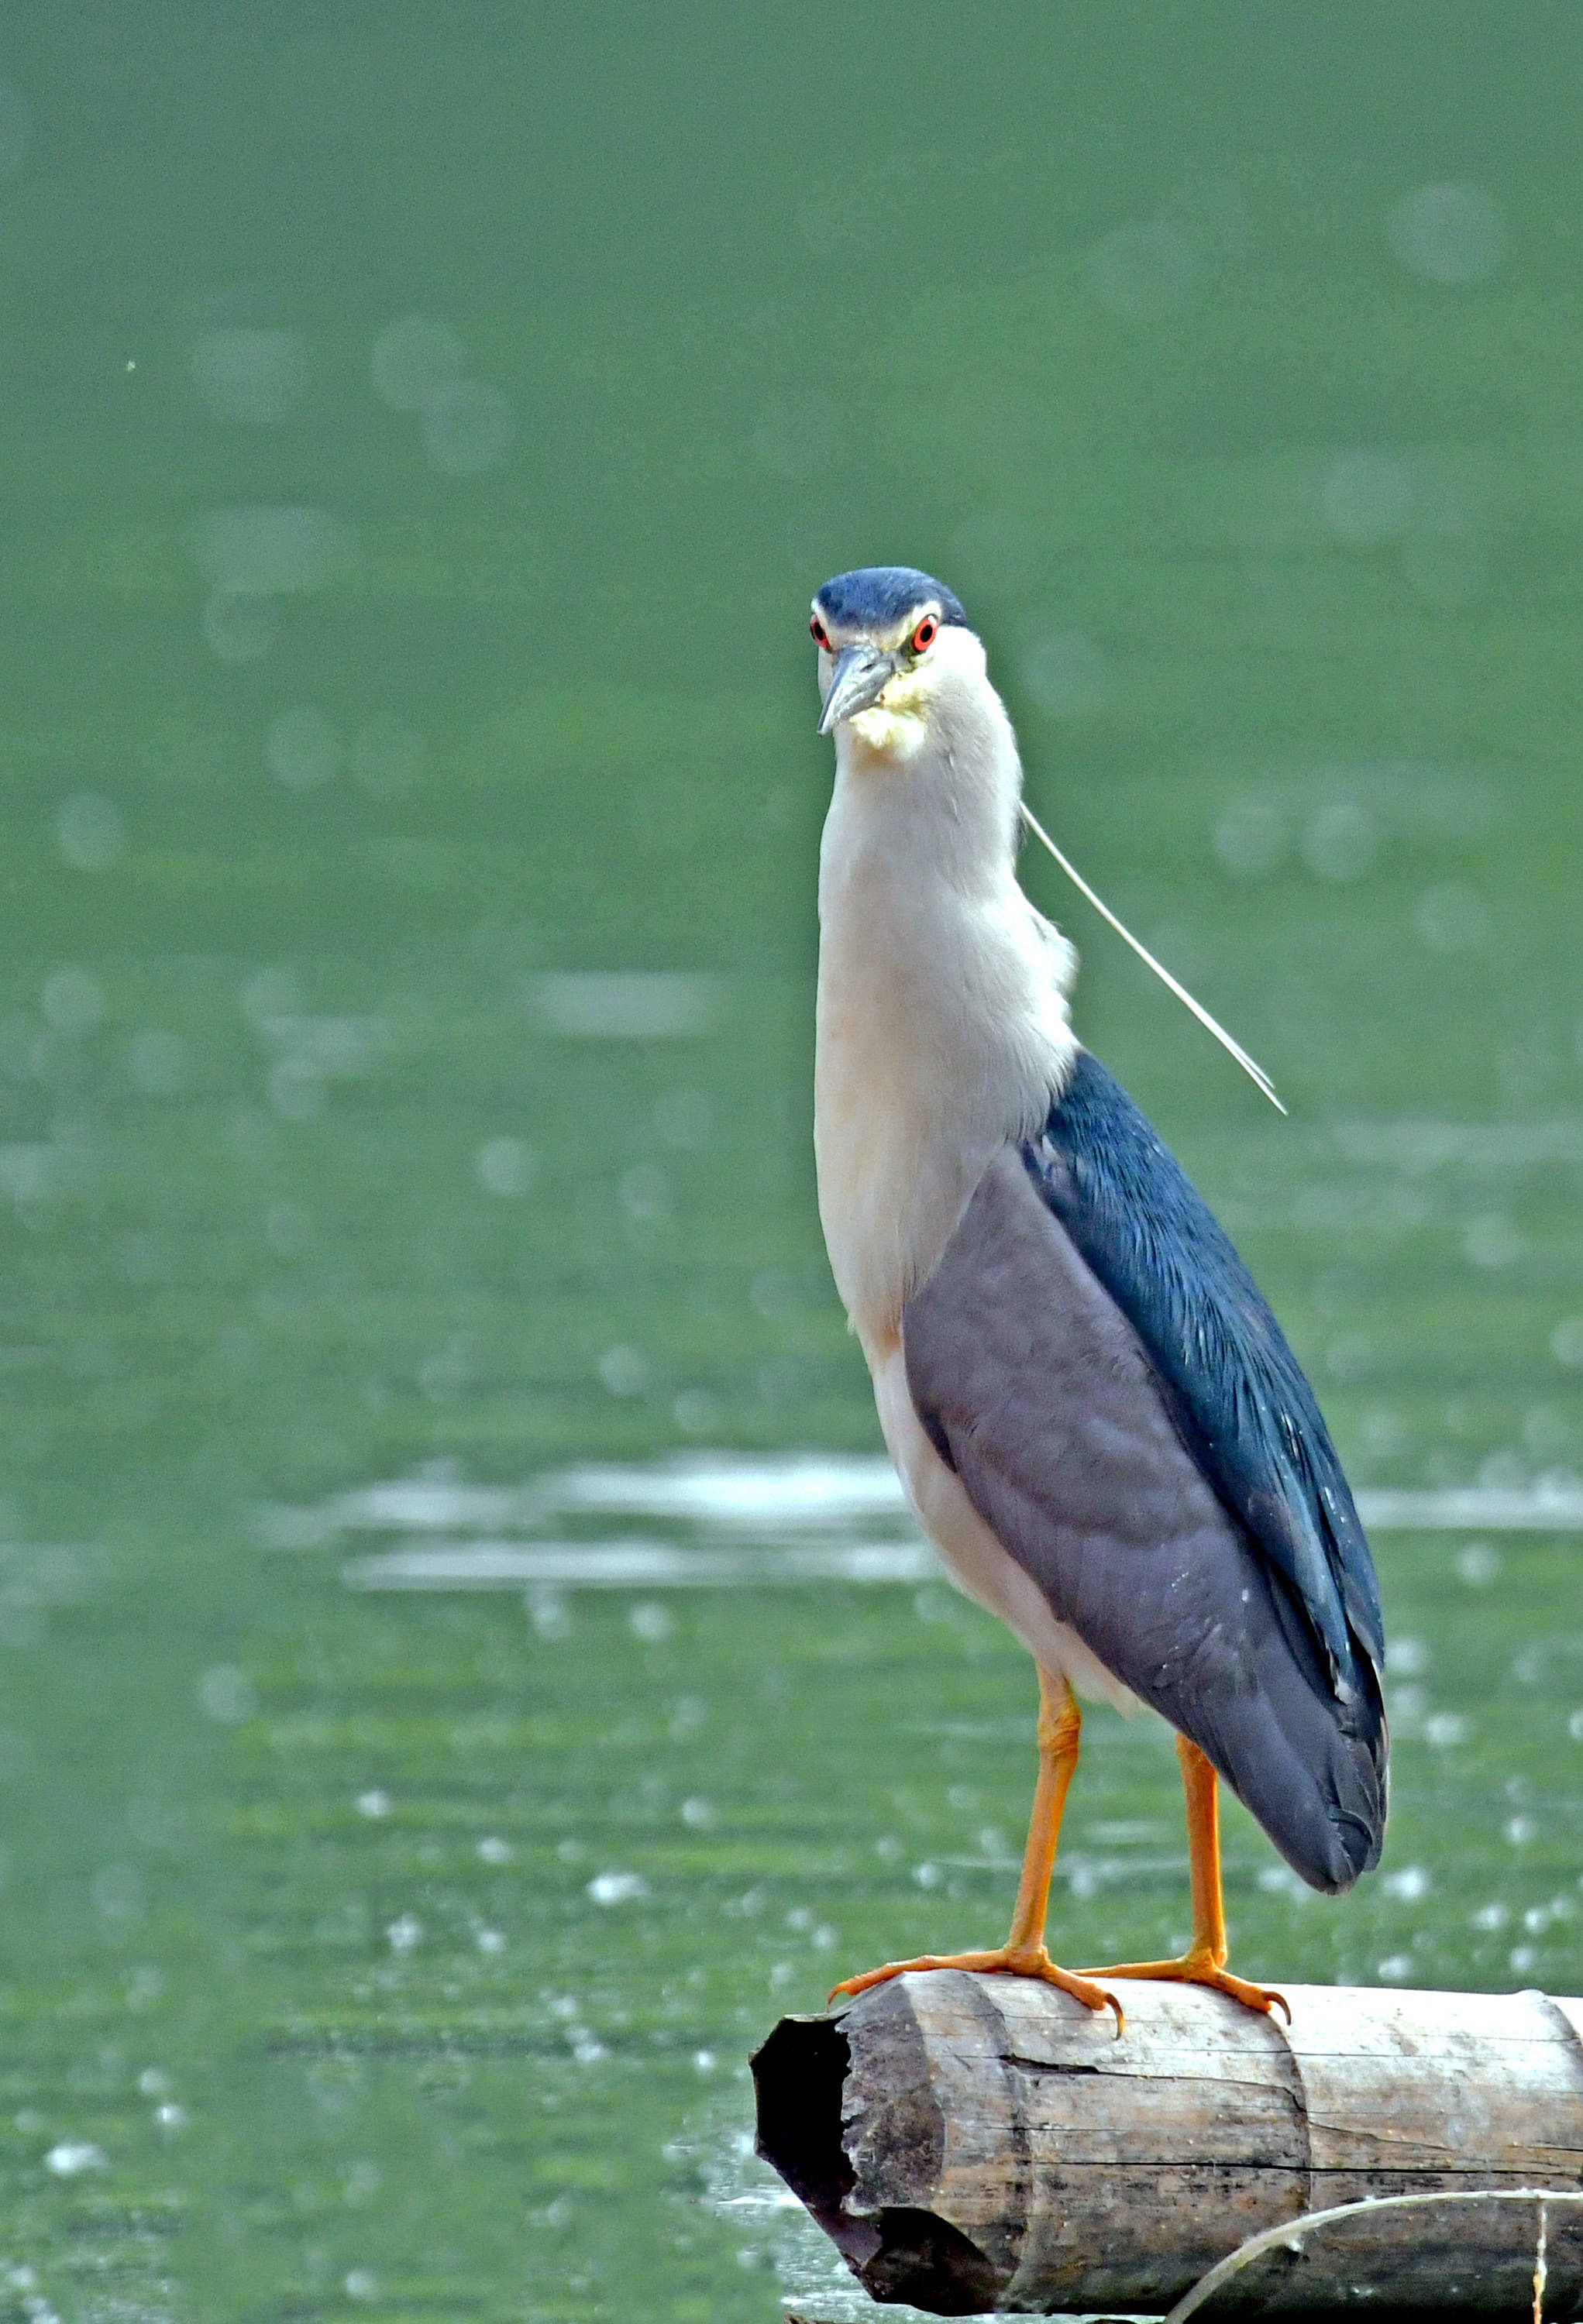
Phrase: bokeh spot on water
(1450, 232)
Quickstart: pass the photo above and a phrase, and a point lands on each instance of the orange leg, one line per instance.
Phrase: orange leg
(1204, 1962)
(1024, 1953)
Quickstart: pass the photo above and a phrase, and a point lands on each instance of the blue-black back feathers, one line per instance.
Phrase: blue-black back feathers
(1238, 1397)
(879, 596)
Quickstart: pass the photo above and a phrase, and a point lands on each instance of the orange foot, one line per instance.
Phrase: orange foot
(1005, 1960)
(1195, 1967)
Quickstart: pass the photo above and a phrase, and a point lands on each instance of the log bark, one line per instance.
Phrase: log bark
(985, 2143)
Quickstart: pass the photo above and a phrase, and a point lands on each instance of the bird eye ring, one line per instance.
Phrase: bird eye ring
(924, 635)
(816, 630)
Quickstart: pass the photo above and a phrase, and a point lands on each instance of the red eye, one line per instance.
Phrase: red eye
(925, 634)
(816, 630)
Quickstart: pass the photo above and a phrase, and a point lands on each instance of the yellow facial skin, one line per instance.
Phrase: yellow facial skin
(898, 724)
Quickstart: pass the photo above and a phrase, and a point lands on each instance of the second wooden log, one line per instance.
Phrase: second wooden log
(974, 2143)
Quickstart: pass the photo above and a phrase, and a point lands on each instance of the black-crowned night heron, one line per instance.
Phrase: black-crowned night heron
(1095, 1415)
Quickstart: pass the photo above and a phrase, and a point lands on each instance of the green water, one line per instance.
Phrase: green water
(1258, 461)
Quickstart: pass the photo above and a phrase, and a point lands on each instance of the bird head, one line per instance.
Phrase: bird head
(895, 653)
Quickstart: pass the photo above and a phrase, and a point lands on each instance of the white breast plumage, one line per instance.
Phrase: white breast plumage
(942, 1026)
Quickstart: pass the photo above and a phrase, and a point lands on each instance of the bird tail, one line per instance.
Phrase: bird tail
(1315, 1771)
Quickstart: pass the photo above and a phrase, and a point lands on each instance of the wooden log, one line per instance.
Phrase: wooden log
(979, 2142)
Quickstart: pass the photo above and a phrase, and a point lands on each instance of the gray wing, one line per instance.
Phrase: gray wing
(1237, 1393)
(1033, 1385)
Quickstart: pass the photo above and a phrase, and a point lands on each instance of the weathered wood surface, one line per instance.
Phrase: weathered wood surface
(974, 2143)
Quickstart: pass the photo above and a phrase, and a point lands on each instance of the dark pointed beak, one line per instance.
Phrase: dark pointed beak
(860, 675)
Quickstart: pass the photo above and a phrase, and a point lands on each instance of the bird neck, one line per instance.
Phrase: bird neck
(942, 1027)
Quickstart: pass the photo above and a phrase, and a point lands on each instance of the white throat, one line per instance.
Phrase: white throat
(943, 1022)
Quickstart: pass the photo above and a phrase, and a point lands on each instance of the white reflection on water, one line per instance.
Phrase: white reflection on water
(268, 551)
(227, 1694)
(718, 1507)
(73, 1001)
(37, 1172)
(505, 1167)
(624, 1369)
(90, 831)
(72, 2156)
(1483, 1145)
(734, 1519)
(795, 1491)
(1449, 233)
(617, 1888)
(627, 1004)
(34, 1576)
(792, 1490)
(1367, 496)
(634, 1566)
(309, 1052)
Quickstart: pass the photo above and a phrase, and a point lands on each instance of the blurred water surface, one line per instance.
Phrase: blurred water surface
(424, 428)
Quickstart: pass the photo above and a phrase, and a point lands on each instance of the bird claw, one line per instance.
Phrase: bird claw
(1198, 1968)
(1004, 1960)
